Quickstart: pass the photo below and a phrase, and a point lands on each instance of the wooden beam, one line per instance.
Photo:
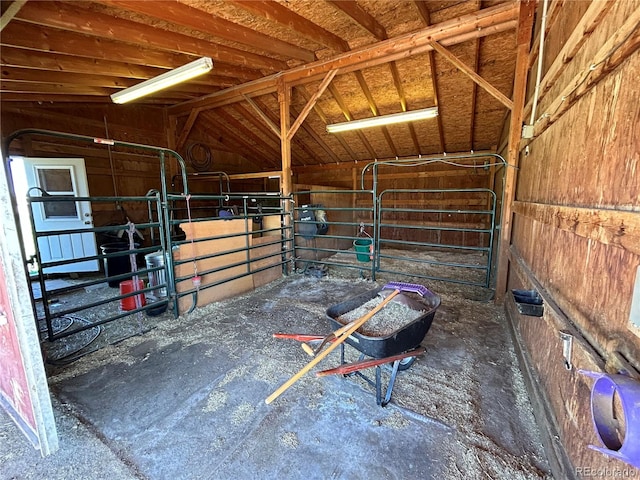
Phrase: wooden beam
(274, 128)
(361, 17)
(523, 38)
(278, 13)
(318, 140)
(203, 21)
(464, 68)
(245, 132)
(588, 23)
(70, 17)
(423, 10)
(474, 94)
(303, 91)
(232, 136)
(296, 141)
(187, 129)
(618, 228)
(255, 121)
(55, 88)
(397, 82)
(250, 176)
(486, 22)
(623, 43)
(284, 101)
(374, 109)
(11, 12)
(347, 114)
(311, 102)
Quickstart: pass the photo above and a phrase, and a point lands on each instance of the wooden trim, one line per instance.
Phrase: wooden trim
(311, 103)
(523, 38)
(247, 176)
(11, 12)
(623, 43)
(617, 228)
(464, 68)
(486, 22)
(588, 23)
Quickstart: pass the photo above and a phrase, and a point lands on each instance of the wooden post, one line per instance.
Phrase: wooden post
(284, 99)
(525, 25)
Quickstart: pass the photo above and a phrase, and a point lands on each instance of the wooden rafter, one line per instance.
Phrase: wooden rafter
(423, 10)
(69, 18)
(374, 109)
(303, 91)
(11, 12)
(238, 139)
(464, 68)
(466, 27)
(361, 16)
(255, 121)
(397, 82)
(523, 41)
(347, 114)
(474, 95)
(179, 13)
(275, 12)
(242, 131)
(317, 138)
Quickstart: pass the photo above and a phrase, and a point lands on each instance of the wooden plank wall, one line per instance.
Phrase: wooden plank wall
(136, 171)
(576, 231)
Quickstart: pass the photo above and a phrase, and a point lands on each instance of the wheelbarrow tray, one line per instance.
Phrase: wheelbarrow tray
(405, 338)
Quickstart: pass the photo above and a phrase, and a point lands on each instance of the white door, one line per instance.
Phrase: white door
(57, 176)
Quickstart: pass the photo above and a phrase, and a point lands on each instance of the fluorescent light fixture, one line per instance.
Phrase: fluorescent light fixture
(166, 80)
(402, 117)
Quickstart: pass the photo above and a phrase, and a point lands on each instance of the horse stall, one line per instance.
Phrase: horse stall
(366, 239)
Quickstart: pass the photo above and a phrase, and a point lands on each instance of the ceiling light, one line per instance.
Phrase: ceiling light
(384, 120)
(166, 80)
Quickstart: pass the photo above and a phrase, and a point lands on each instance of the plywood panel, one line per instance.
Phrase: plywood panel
(227, 289)
(273, 252)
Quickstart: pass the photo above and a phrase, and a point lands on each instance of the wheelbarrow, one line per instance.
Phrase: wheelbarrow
(398, 348)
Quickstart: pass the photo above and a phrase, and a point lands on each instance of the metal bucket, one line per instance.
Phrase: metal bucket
(157, 277)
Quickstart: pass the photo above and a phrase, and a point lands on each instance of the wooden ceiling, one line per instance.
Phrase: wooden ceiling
(382, 51)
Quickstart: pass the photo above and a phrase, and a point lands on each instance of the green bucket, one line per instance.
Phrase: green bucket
(363, 247)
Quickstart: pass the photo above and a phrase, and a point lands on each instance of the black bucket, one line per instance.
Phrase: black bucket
(116, 265)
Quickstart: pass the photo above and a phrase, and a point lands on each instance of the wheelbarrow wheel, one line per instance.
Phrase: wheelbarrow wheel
(406, 363)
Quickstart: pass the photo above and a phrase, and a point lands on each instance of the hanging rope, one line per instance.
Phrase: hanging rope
(131, 231)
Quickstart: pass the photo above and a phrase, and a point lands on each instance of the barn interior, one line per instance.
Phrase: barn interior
(166, 261)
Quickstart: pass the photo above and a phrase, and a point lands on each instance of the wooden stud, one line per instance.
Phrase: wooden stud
(464, 68)
(525, 24)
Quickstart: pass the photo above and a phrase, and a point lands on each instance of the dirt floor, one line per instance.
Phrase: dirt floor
(184, 398)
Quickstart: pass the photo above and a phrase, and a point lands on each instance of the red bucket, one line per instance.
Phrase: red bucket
(129, 303)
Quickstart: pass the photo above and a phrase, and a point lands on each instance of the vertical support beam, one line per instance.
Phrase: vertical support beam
(284, 99)
(523, 35)
(171, 127)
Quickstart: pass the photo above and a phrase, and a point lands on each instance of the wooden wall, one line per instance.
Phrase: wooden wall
(576, 230)
(121, 172)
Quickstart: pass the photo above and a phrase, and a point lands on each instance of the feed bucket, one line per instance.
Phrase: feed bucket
(364, 249)
(129, 303)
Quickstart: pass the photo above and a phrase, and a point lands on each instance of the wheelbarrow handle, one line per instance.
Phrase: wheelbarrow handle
(300, 337)
(361, 321)
(348, 368)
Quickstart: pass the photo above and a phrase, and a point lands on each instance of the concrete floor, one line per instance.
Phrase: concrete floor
(186, 399)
